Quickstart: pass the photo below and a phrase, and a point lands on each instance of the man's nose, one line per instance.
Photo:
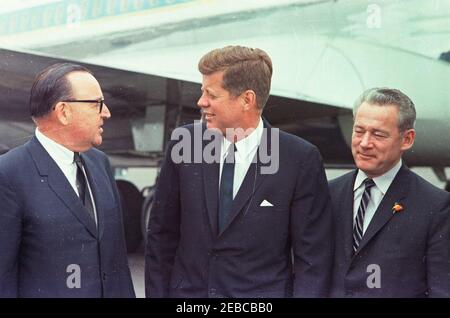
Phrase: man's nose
(365, 139)
(202, 102)
(105, 112)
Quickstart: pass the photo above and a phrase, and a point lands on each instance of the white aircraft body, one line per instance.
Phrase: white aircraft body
(145, 55)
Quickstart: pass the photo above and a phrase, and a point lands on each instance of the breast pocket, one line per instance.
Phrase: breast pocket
(270, 206)
(266, 216)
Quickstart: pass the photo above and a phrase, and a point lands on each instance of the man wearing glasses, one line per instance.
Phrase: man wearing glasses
(61, 229)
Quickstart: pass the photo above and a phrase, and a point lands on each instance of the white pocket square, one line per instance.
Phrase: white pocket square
(266, 203)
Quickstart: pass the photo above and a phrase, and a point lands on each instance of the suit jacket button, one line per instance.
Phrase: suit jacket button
(212, 291)
(104, 276)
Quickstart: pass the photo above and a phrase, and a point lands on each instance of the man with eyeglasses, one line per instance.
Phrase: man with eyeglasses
(61, 228)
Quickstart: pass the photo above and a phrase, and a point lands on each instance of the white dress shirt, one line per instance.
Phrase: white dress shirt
(377, 192)
(62, 156)
(64, 160)
(245, 154)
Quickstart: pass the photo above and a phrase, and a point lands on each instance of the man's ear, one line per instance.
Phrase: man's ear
(249, 98)
(63, 113)
(408, 139)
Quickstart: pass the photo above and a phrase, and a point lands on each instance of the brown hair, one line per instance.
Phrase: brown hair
(244, 68)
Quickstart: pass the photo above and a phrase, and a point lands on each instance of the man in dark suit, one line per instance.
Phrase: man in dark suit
(61, 230)
(392, 228)
(248, 214)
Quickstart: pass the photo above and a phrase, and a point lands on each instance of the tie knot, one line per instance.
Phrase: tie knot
(368, 183)
(76, 157)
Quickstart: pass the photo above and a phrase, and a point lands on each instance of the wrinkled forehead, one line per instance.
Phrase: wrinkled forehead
(378, 117)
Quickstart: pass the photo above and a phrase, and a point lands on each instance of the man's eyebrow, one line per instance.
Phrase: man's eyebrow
(381, 131)
(207, 89)
(373, 130)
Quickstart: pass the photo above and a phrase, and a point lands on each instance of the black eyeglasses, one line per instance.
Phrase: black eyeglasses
(99, 101)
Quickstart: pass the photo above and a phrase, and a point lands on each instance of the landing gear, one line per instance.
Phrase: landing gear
(148, 194)
(447, 186)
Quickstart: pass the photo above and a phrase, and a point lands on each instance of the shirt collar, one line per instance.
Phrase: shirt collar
(382, 182)
(245, 147)
(58, 152)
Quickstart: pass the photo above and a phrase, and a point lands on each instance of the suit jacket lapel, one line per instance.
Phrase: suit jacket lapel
(99, 185)
(210, 173)
(59, 184)
(345, 210)
(396, 193)
(211, 190)
(253, 178)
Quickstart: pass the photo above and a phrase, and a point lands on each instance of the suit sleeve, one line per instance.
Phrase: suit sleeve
(311, 230)
(10, 236)
(163, 230)
(438, 254)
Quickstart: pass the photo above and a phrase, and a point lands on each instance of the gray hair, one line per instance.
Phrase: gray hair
(388, 96)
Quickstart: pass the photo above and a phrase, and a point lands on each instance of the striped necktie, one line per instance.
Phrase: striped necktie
(359, 220)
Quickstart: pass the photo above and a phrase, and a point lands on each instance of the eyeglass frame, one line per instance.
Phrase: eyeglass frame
(101, 101)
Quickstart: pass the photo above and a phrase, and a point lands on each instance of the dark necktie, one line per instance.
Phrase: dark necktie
(82, 186)
(359, 221)
(226, 187)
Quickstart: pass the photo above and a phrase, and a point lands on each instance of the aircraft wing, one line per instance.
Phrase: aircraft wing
(325, 53)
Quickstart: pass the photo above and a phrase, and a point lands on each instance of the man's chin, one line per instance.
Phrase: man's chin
(213, 128)
(97, 141)
(365, 167)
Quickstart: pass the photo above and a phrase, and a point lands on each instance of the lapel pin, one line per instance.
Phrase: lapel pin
(397, 208)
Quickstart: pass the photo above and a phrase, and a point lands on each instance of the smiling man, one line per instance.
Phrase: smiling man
(226, 228)
(392, 228)
(61, 231)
